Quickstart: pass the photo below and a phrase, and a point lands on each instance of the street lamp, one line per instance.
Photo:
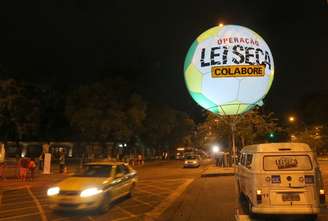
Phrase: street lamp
(215, 149)
(221, 25)
(291, 119)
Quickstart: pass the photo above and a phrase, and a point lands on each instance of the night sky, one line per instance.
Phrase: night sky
(80, 41)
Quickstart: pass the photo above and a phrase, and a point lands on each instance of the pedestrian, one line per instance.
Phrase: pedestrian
(23, 167)
(139, 159)
(2, 170)
(31, 167)
(41, 161)
(62, 162)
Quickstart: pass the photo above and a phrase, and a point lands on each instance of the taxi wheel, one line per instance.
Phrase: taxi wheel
(105, 204)
(132, 188)
(249, 208)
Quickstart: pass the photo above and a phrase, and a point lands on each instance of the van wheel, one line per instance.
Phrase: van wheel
(249, 208)
(312, 217)
(242, 199)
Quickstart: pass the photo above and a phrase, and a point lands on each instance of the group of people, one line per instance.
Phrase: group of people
(26, 167)
(136, 160)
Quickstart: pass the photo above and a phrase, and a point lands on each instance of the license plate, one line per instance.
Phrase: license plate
(290, 197)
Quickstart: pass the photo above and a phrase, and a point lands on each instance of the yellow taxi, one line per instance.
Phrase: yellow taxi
(95, 187)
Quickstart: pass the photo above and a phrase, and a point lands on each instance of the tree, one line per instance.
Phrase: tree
(250, 127)
(165, 128)
(19, 110)
(106, 111)
(315, 137)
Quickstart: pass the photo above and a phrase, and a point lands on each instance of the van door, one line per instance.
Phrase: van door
(292, 179)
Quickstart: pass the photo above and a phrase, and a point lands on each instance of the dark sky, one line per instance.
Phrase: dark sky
(80, 41)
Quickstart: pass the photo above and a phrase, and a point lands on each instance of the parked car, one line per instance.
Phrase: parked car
(95, 188)
(280, 178)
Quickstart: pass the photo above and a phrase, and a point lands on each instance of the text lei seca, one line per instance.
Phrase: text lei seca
(254, 58)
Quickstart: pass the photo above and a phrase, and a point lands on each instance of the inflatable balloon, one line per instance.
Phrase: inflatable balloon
(228, 70)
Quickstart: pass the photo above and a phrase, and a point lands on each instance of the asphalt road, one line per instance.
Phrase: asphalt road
(160, 184)
(165, 191)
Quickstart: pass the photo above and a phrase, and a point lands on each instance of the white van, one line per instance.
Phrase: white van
(280, 178)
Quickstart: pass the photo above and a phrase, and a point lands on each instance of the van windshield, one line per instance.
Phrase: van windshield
(287, 162)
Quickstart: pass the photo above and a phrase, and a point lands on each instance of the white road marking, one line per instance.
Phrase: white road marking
(121, 219)
(16, 209)
(126, 211)
(142, 202)
(158, 210)
(61, 218)
(19, 216)
(38, 205)
(24, 202)
(151, 193)
(91, 218)
(242, 218)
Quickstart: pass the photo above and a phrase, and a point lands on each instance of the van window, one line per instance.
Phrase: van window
(249, 159)
(287, 162)
(242, 160)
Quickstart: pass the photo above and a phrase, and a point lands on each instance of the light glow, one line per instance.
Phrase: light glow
(291, 119)
(215, 149)
(53, 191)
(90, 192)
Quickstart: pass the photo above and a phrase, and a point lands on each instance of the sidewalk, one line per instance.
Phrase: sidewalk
(40, 179)
(11, 181)
(213, 170)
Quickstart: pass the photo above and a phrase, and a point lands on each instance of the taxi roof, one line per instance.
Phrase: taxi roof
(108, 163)
(277, 147)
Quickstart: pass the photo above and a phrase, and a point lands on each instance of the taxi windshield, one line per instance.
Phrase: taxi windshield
(191, 157)
(96, 171)
(287, 162)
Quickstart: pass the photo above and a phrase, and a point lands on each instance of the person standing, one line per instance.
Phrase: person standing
(61, 161)
(41, 161)
(31, 167)
(2, 170)
(23, 167)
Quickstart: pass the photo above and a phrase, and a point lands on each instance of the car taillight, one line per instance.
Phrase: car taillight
(259, 196)
(309, 179)
(275, 179)
(322, 196)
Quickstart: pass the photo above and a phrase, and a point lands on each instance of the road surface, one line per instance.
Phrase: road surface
(165, 191)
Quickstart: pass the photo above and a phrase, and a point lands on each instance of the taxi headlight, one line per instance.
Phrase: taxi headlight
(186, 161)
(90, 192)
(194, 161)
(53, 191)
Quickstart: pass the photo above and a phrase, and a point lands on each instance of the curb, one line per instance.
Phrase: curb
(217, 174)
(208, 173)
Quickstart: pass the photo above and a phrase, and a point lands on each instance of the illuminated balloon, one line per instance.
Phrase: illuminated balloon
(228, 70)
